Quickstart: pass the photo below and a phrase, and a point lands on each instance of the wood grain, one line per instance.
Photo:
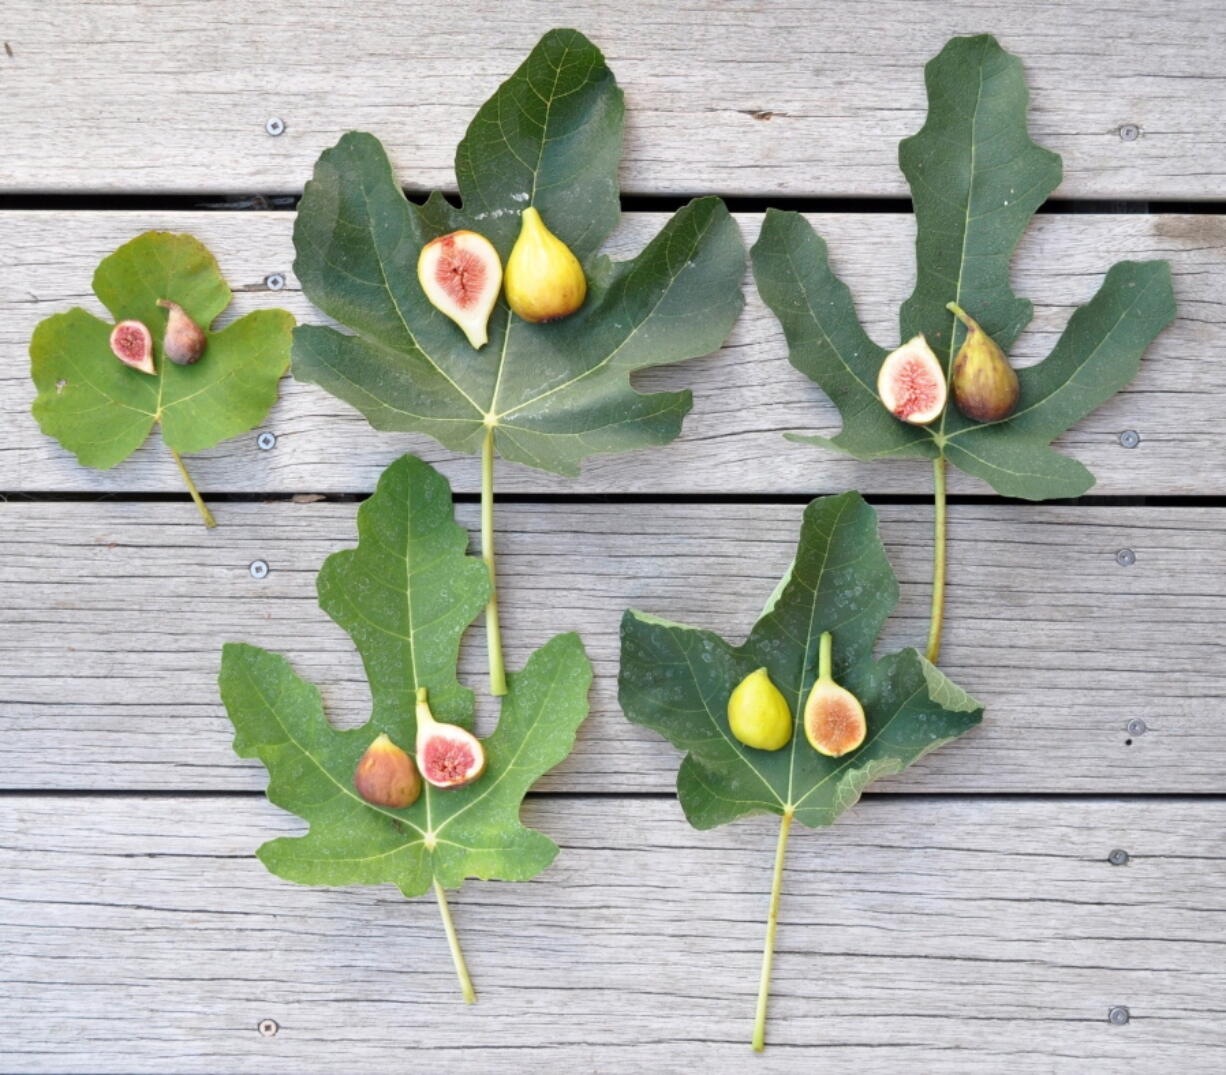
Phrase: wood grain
(746, 396)
(112, 618)
(743, 97)
(140, 935)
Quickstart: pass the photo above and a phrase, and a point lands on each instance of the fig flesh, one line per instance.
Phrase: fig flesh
(911, 383)
(132, 344)
(834, 718)
(449, 756)
(985, 385)
(544, 279)
(184, 341)
(386, 776)
(461, 275)
(758, 714)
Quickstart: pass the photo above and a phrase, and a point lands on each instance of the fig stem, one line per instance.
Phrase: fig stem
(493, 632)
(825, 669)
(207, 515)
(772, 925)
(937, 615)
(457, 956)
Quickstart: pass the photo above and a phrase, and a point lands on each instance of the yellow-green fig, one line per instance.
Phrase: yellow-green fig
(834, 718)
(543, 279)
(386, 776)
(758, 714)
(985, 385)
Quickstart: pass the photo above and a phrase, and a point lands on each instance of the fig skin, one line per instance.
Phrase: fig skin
(911, 383)
(544, 280)
(132, 344)
(386, 776)
(985, 385)
(461, 274)
(758, 714)
(184, 340)
(834, 718)
(443, 748)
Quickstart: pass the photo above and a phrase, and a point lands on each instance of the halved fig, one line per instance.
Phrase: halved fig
(386, 776)
(911, 383)
(447, 755)
(132, 343)
(461, 275)
(184, 341)
(834, 718)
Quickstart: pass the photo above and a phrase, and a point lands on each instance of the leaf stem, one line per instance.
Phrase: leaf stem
(457, 956)
(493, 632)
(772, 924)
(207, 515)
(937, 615)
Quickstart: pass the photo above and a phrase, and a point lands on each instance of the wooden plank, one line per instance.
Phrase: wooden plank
(140, 935)
(745, 397)
(114, 616)
(735, 98)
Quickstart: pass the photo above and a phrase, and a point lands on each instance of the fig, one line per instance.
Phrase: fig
(758, 714)
(544, 279)
(985, 385)
(834, 717)
(132, 343)
(448, 755)
(184, 341)
(386, 776)
(461, 275)
(911, 383)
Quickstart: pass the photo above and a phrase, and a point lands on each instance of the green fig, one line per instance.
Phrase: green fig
(758, 714)
(834, 718)
(985, 385)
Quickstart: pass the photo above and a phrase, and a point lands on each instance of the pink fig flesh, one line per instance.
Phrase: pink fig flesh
(911, 383)
(461, 275)
(447, 755)
(132, 344)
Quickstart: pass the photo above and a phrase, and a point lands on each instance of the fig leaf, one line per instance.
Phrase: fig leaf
(677, 681)
(549, 138)
(405, 595)
(976, 179)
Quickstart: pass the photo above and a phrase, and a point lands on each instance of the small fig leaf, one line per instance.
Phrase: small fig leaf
(102, 411)
(405, 595)
(677, 680)
(549, 139)
(976, 180)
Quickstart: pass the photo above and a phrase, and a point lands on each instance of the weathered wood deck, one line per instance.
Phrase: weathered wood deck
(964, 918)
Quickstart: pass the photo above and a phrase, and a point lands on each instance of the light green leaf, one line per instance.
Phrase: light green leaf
(976, 179)
(677, 680)
(550, 137)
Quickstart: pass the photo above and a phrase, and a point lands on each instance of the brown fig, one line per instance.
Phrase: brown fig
(985, 385)
(132, 344)
(834, 717)
(911, 383)
(448, 755)
(386, 776)
(461, 275)
(184, 341)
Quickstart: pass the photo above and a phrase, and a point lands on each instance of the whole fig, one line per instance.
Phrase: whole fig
(386, 776)
(544, 280)
(985, 385)
(758, 714)
(184, 341)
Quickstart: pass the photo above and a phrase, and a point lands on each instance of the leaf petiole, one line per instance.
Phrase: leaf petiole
(937, 615)
(493, 632)
(457, 956)
(207, 515)
(772, 925)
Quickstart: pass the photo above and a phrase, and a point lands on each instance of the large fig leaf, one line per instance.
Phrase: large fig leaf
(102, 411)
(405, 595)
(550, 137)
(677, 680)
(976, 179)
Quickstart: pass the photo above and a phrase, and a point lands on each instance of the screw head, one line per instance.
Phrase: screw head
(274, 281)
(1130, 132)
(258, 569)
(1118, 857)
(1137, 726)
(1130, 438)
(268, 1027)
(266, 441)
(1118, 1015)
(1125, 558)
(275, 127)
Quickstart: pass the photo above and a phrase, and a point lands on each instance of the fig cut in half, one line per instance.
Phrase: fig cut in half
(447, 755)
(461, 274)
(911, 383)
(132, 343)
(386, 776)
(834, 717)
